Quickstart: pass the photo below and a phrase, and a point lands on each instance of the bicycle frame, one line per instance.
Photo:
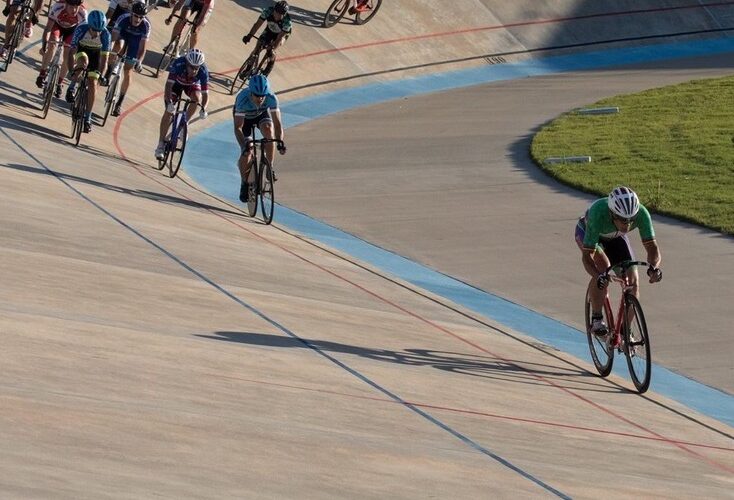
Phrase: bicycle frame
(179, 130)
(261, 178)
(635, 345)
(16, 35)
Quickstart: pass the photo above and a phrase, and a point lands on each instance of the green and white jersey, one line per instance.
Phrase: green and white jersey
(600, 226)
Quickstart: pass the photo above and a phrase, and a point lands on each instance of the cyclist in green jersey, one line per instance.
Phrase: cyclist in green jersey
(601, 234)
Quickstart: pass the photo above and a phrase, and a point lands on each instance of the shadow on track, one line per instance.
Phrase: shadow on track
(477, 366)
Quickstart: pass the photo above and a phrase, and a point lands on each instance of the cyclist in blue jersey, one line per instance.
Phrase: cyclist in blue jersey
(133, 31)
(90, 47)
(601, 234)
(186, 74)
(256, 106)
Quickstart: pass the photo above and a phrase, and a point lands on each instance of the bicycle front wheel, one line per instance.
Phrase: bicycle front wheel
(110, 97)
(48, 89)
(177, 147)
(637, 343)
(267, 194)
(364, 16)
(602, 351)
(335, 12)
(80, 104)
(252, 187)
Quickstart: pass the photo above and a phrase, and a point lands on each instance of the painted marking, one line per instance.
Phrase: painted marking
(466, 440)
(214, 149)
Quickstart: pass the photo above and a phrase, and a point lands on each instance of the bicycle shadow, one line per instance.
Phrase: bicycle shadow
(297, 14)
(18, 99)
(140, 193)
(33, 129)
(482, 366)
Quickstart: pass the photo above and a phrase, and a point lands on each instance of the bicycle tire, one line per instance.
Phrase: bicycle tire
(178, 147)
(166, 56)
(602, 353)
(252, 187)
(358, 19)
(81, 108)
(637, 344)
(267, 193)
(336, 11)
(48, 90)
(245, 71)
(16, 36)
(109, 98)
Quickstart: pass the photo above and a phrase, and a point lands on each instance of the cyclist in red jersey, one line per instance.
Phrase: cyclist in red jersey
(62, 21)
(202, 10)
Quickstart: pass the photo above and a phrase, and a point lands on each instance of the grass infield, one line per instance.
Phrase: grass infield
(673, 145)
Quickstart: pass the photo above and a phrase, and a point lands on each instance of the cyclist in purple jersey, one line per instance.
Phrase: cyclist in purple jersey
(601, 234)
(186, 74)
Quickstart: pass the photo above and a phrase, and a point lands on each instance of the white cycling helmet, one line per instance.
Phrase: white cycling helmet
(195, 57)
(623, 202)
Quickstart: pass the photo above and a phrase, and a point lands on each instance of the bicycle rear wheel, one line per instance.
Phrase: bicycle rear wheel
(267, 194)
(252, 187)
(48, 90)
(335, 12)
(363, 17)
(637, 343)
(602, 351)
(110, 97)
(167, 56)
(177, 147)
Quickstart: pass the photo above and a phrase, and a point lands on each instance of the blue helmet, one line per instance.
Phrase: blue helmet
(97, 20)
(259, 85)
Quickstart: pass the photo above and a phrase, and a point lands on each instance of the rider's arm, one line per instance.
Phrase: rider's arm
(256, 27)
(141, 50)
(168, 91)
(176, 7)
(239, 122)
(653, 253)
(277, 124)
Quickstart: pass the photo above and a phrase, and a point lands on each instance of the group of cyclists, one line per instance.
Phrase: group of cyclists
(89, 40)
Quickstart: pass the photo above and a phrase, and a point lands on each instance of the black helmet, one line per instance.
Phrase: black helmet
(138, 9)
(74, 2)
(282, 7)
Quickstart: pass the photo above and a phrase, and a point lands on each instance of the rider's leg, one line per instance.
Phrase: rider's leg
(597, 296)
(10, 24)
(126, 76)
(180, 23)
(81, 61)
(266, 127)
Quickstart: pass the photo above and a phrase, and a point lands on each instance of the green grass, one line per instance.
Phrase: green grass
(673, 145)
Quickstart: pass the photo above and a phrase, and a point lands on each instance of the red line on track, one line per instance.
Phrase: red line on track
(472, 412)
(656, 436)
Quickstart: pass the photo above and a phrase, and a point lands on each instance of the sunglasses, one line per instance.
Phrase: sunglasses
(135, 16)
(622, 219)
(258, 96)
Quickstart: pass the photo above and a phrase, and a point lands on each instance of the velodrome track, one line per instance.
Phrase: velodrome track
(157, 342)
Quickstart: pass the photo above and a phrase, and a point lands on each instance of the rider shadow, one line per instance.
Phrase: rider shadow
(140, 193)
(481, 366)
(33, 129)
(298, 15)
(18, 99)
(307, 17)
